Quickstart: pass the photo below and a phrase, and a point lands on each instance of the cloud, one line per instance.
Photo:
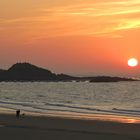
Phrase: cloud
(92, 18)
(96, 18)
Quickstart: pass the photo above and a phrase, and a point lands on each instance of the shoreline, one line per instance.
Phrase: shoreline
(76, 116)
(54, 127)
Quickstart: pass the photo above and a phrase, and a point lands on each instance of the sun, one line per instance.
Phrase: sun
(132, 62)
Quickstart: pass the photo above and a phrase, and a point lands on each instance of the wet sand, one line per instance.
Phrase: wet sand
(40, 127)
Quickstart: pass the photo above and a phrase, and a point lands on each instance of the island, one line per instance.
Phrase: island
(29, 72)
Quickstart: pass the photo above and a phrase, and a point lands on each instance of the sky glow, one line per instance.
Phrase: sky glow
(74, 37)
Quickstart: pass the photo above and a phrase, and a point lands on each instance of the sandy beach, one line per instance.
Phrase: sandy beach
(39, 127)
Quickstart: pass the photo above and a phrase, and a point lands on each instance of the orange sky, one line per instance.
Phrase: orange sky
(80, 37)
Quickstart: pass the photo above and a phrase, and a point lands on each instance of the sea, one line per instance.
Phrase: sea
(118, 98)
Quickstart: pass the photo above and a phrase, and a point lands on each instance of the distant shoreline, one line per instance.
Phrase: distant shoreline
(26, 72)
(21, 81)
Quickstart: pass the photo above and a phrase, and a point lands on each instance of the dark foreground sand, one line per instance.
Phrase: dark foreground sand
(57, 128)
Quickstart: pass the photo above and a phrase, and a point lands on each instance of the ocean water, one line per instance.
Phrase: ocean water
(121, 98)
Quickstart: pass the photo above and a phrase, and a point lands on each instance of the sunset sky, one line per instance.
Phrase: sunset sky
(78, 37)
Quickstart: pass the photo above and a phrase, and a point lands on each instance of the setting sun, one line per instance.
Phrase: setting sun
(132, 62)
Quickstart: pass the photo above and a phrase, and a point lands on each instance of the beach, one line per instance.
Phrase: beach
(38, 126)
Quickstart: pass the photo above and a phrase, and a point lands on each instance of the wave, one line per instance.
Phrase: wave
(126, 111)
(68, 108)
(85, 109)
(114, 110)
(15, 103)
(73, 106)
